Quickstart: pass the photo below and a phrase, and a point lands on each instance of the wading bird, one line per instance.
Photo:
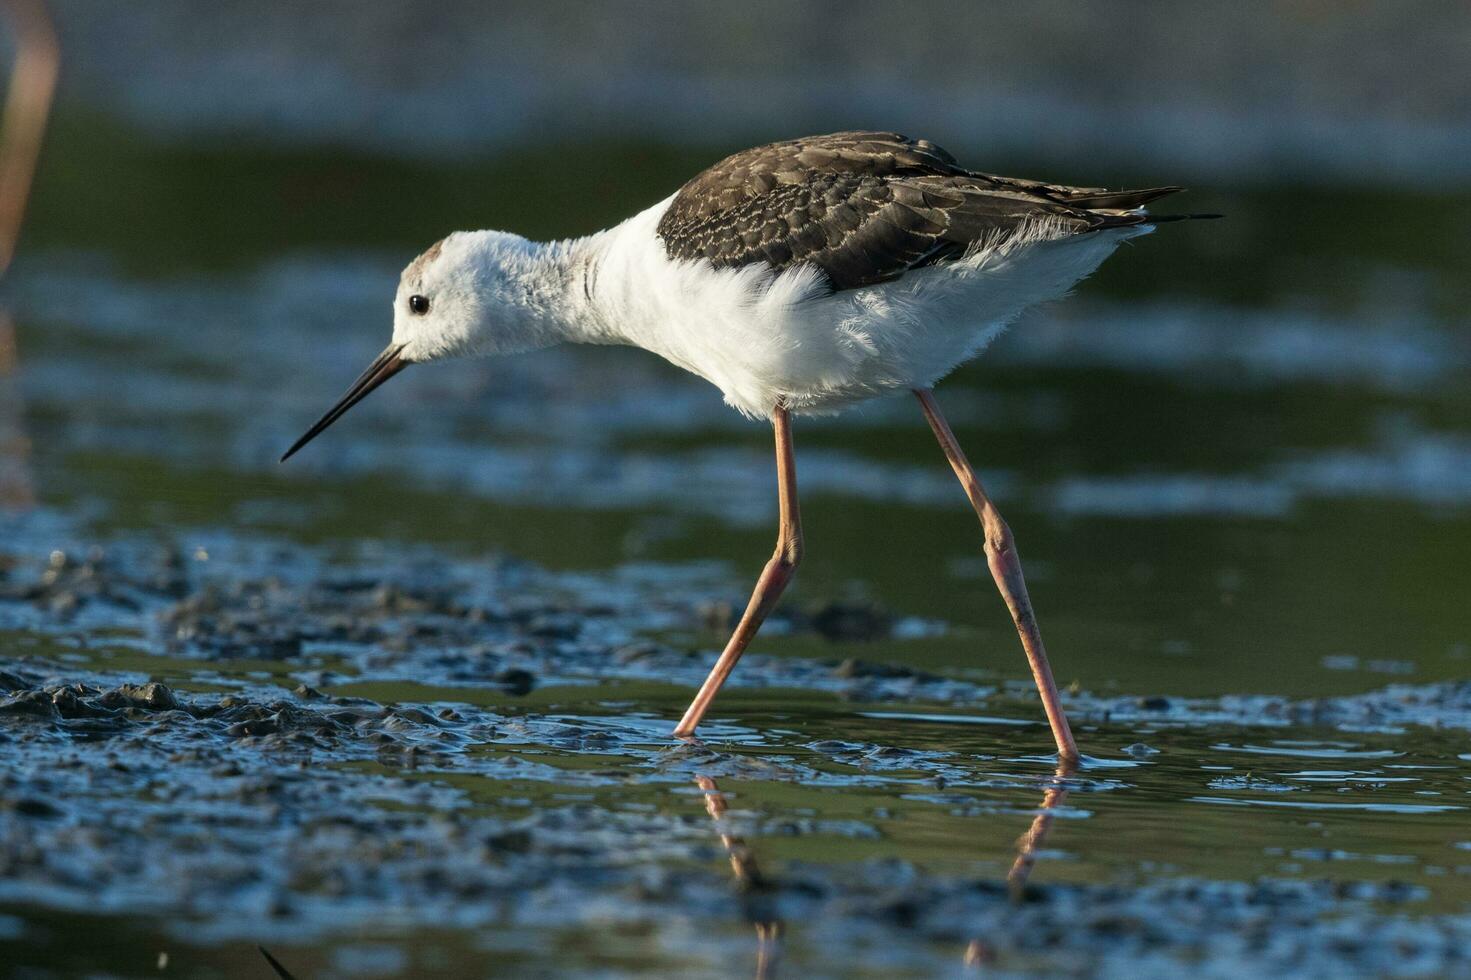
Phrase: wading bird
(797, 277)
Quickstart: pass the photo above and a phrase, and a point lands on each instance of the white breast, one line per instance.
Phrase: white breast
(764, 338)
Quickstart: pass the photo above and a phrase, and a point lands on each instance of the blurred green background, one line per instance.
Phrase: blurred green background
(1243, 445)
(1237, 461)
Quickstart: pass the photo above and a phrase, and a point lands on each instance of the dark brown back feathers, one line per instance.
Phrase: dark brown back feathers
(868, 207)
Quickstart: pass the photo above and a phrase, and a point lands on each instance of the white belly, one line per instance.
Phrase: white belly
(765, 339)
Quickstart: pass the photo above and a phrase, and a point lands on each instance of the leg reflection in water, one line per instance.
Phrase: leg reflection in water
(755, 890)
(978, 953)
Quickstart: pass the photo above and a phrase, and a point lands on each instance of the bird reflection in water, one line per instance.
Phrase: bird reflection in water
(978, 953)
(757, 890)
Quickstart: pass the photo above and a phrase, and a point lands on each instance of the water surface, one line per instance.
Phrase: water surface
(418, 682)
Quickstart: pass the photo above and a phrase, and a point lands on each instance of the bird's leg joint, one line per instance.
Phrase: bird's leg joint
(999, 541)
(788, 553)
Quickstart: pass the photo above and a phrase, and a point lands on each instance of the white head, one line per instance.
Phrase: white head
(475, 292)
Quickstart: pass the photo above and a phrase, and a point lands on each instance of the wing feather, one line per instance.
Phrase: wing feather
(867, 207)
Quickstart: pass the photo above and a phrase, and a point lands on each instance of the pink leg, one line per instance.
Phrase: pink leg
(1006, 569)
(27, 105)
(769, 586)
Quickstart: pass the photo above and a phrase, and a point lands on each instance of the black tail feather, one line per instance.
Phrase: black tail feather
(1155, 219)
(1102, 222)
(1117, 200)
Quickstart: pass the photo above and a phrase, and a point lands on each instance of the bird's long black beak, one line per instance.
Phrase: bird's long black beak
(385, 366)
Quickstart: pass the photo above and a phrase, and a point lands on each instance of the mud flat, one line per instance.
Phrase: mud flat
(380, 762)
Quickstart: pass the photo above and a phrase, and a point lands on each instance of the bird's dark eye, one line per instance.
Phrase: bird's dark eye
(418, 305)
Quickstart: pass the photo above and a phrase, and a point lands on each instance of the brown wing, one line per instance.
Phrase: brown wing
(867, 207)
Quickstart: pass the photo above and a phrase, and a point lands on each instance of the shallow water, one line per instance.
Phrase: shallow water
(417, 683)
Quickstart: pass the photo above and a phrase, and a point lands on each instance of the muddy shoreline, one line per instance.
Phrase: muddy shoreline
(251, 799)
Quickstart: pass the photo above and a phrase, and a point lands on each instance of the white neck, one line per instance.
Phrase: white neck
(571, 270)
(615, 275)
(603, 281)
